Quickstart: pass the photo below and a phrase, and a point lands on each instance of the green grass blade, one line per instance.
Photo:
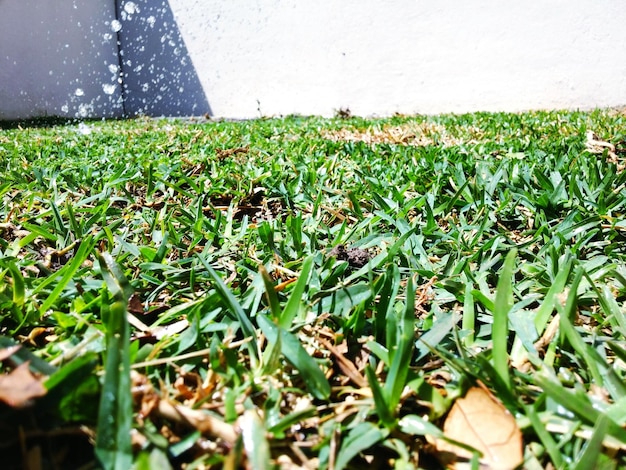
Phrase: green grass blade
(387, 297)
(579, 404)
(383, 408)
(236, 308)
(295, 298)
(469, 315)
(19, 289)
(611, 308)
(418, 426)
(360, 438)
(270, 293)
(84, 250)
(548, 304)
(292, 419)
(400, 356)
(483, 299)
(500, 329)
(581, 348)
(296, 354)
(255, 441)
(437, 333)
(592, 450)
(58, 219)
(162, 250)
(113, 446)
(116, 281)
(545, 437)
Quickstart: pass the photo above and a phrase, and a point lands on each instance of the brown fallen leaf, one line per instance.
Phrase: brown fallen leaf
(482, 422)
(345, 364)
(198, 419)
(151, 403)
(20, 386)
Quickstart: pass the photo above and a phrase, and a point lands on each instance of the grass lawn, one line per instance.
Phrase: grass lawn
(314, 293)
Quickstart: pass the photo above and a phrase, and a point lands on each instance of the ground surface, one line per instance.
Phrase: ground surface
(313, 293)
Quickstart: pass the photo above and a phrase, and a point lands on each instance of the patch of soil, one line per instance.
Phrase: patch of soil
(356, 257)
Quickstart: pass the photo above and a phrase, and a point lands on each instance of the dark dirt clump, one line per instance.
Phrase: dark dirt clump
(356, 257)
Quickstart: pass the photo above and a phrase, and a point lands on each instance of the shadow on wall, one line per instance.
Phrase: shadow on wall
(158, 75)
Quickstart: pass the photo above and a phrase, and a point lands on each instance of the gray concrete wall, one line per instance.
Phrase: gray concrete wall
(58, 58)
(159, 77)
(247, 58)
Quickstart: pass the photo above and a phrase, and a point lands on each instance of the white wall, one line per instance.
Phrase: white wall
(58, 58)
(246, 58)
(405, 56)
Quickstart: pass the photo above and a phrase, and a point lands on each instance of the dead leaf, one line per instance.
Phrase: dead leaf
(482, 422)
(135, 305)
(596, 146)
(345, 364)
(150, 403)
(198, 419)
(20, 386)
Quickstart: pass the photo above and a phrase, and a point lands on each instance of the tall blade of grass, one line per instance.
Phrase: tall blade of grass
(294, 224)
(356, 205)
(287, 422)
(254, 438)
(19, 289)
(380, 400)
(610, 307)
(579, 404)
(400, 356)
(575, 340)
(270, 292)
(592, 450)
(78, 232)
(296, 354)
(266, 233)
(150, 178)
(384, 307)
(469, 315)
(114, 277)
(360, 438)
(548, 304)
(293, 304)
(500, 328)
(545, 437)
(447, 206)
(58, 219)
(272, 354)
(431, 223)
(160, 253)
(483, 299)
(69, 270)
(113, 445)
(236, 308)
(440, 329)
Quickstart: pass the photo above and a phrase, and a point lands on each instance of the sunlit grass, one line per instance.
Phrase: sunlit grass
(248, 330)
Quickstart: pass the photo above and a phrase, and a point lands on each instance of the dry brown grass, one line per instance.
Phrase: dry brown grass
(417, 134)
